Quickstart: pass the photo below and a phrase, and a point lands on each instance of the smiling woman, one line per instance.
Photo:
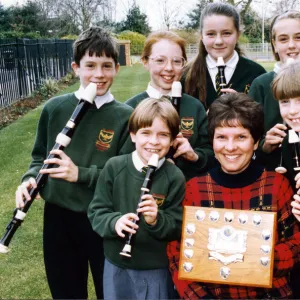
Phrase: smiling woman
(235, 125)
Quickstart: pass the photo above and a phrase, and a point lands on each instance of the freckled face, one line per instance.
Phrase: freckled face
(162, 77)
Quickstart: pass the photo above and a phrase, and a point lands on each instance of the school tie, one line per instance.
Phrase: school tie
(218, 87)
(144, 169)
(168, 97)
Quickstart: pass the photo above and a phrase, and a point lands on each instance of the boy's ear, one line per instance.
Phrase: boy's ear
(75, 68)
(132, 135)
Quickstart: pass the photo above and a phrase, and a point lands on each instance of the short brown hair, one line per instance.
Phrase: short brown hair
(157, 36)
(233, 108)
(292, 14)
(149, 109)
(286, 84)
(97, 41)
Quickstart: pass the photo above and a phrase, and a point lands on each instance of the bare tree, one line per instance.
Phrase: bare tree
(83, 13)
(83, 10)
(242, 5)
(284, 5)
(169, 12)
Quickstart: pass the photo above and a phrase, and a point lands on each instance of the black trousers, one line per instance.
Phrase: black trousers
(70, 247)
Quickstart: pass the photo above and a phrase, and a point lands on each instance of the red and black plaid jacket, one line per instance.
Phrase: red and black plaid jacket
(277, 194)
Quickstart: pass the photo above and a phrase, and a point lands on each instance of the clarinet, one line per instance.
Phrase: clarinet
(145, 189)
(221, 70)
(175, 100)
(62, 141)
(176, 95)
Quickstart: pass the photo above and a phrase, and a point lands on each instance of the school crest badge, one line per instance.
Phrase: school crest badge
(247, 87)
(187, 126)
(104, 139)
(160, 199)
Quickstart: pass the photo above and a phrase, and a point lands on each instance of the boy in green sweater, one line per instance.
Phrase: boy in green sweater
(153, 127)
(70, 244)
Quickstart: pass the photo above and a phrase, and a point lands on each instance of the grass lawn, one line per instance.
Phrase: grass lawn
(268, 65)
(22, 274)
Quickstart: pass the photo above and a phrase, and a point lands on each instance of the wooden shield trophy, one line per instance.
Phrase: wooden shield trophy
(227, 246)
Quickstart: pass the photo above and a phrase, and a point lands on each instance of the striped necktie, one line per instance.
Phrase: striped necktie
(218, 87)
(144, 169)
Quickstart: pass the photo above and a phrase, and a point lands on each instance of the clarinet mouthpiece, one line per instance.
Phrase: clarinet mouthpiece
(153, 161)
(3, 249)
(89, 92)
(289, 61)
(293, 137)
(220, 62)
(176, 89)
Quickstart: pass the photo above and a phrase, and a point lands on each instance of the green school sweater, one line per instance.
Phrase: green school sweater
(117, 193)
(193, 126)
(245, 72)
(101, 134)
(261, 92)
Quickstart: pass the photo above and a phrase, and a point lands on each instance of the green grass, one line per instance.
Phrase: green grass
(268, 65)
(22, 274)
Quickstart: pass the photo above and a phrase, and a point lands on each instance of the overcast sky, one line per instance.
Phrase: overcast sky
(149, 7)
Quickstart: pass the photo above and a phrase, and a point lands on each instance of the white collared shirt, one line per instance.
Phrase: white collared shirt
(229, 70)
(99, 100)
(154, 93)
(277, 67)
(138, 163)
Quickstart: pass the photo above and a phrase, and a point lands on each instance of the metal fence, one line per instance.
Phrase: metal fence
(258, 52)
(25, 64)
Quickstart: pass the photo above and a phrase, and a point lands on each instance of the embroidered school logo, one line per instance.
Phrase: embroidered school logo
(160, 199)
(247, 87)
(187, 125)
(104, 139)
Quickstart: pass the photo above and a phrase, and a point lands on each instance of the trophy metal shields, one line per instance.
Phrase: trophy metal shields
(227, 246)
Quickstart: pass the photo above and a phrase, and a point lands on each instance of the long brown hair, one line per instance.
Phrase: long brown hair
(196, 70)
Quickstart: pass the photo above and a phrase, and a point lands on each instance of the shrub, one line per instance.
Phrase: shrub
(69, 37)
(19, 35)
(69, 78)
(243, 39)
(190, 36)
(48, 88)
(137, 41)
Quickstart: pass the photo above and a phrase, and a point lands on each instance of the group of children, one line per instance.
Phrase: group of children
(92, 192)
